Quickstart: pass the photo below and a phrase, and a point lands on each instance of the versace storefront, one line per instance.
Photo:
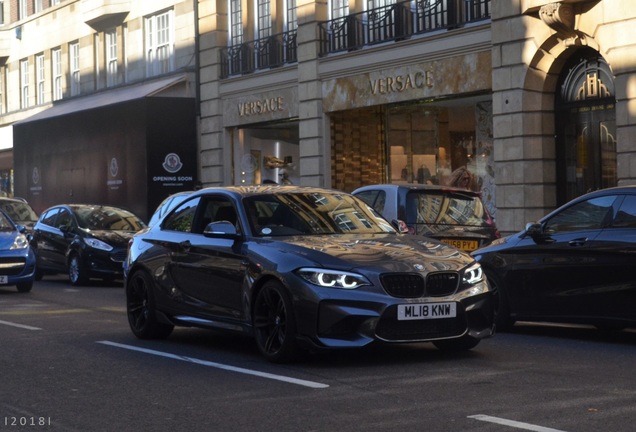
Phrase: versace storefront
(532, 106)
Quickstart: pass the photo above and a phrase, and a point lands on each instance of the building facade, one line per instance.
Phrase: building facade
(98, 101)
(531, 102)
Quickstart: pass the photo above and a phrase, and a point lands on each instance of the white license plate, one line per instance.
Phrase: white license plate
(4, 280)
(422, 311)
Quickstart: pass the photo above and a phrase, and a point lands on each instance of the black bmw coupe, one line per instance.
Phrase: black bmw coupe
(301, 268)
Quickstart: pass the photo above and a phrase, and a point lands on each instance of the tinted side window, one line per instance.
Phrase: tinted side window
(374, 198)
(626, 215)
(215, 209)
(182, 217)
(586, 215)
(48, 218)
(65, 219)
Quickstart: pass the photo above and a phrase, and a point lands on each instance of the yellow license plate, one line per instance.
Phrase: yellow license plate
(465, 245)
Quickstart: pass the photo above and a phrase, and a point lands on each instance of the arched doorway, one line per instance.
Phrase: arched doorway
(585, 126)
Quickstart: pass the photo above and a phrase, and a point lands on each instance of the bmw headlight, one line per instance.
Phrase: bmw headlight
(98, 244)
(332, 278)
(20, 242)
(473, 274)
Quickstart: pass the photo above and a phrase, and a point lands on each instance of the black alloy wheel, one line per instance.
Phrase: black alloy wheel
(76, 270)
(503, 320)
(140, 309)
(274, 323)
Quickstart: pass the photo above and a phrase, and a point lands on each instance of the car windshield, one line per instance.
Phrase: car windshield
(444, 209)
(5, 223)
(18, 211)
(312, 213)
(107, 218)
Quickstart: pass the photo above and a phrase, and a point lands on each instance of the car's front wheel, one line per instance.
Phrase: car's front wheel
(76, 270)
(503, 320)
(140, 308)
(24, 286)
(274, 323)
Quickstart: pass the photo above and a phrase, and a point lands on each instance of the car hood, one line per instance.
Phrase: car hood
(113, 238)
(384, 252)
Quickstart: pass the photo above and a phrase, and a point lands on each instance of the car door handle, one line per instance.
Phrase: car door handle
(185, 245)
(578, 242)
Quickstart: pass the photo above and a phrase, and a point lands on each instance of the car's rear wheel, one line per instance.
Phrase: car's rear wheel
(24, 286)
(274, 323)
(463, 343)
(140, 308)
(503, 320)
(76, 270)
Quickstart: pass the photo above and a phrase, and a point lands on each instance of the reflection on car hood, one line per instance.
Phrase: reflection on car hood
(113, 238)
(6, 239)
(389, 252)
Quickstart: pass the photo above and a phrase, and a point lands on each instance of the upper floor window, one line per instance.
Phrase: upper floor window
(159, 44)
(22, 9)
(338, 9)
(39, 79)
(236, 23)
(74, 67)
(291, 17)
(55, 2)
(37, 6)
(56, 73)
(263, 19)
(111, 58)
(2, 80)
(24, 84)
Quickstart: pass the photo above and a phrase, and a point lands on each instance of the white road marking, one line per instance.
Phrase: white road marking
(290, 380)
(27, 327)
(512, 423)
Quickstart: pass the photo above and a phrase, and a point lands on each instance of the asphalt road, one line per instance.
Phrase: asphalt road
(70, 363)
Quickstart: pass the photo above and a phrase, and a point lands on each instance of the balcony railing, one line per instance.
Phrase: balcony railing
(265, 53)
(398, 21)
(384, 24)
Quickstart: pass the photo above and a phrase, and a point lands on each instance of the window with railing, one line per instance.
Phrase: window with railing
(384, 21)
(267, 50)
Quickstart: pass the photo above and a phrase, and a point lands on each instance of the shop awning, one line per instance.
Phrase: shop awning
(113, 96)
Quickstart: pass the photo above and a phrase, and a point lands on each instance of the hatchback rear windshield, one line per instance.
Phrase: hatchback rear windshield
(445, 209)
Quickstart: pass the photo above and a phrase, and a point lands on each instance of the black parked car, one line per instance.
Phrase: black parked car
(300, 267)
(453, 215)
(83, 240)
(575, 265)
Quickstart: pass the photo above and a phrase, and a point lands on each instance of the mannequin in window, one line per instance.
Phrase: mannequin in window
(423, 174)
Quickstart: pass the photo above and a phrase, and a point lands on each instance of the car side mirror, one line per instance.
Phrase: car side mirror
(534, 229)
(221, 229)
(400, 226)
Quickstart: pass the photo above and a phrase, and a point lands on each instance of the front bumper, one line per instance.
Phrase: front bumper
(343, 321)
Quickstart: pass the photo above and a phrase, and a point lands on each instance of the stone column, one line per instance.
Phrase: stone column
(313, 130)
(212, 37)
